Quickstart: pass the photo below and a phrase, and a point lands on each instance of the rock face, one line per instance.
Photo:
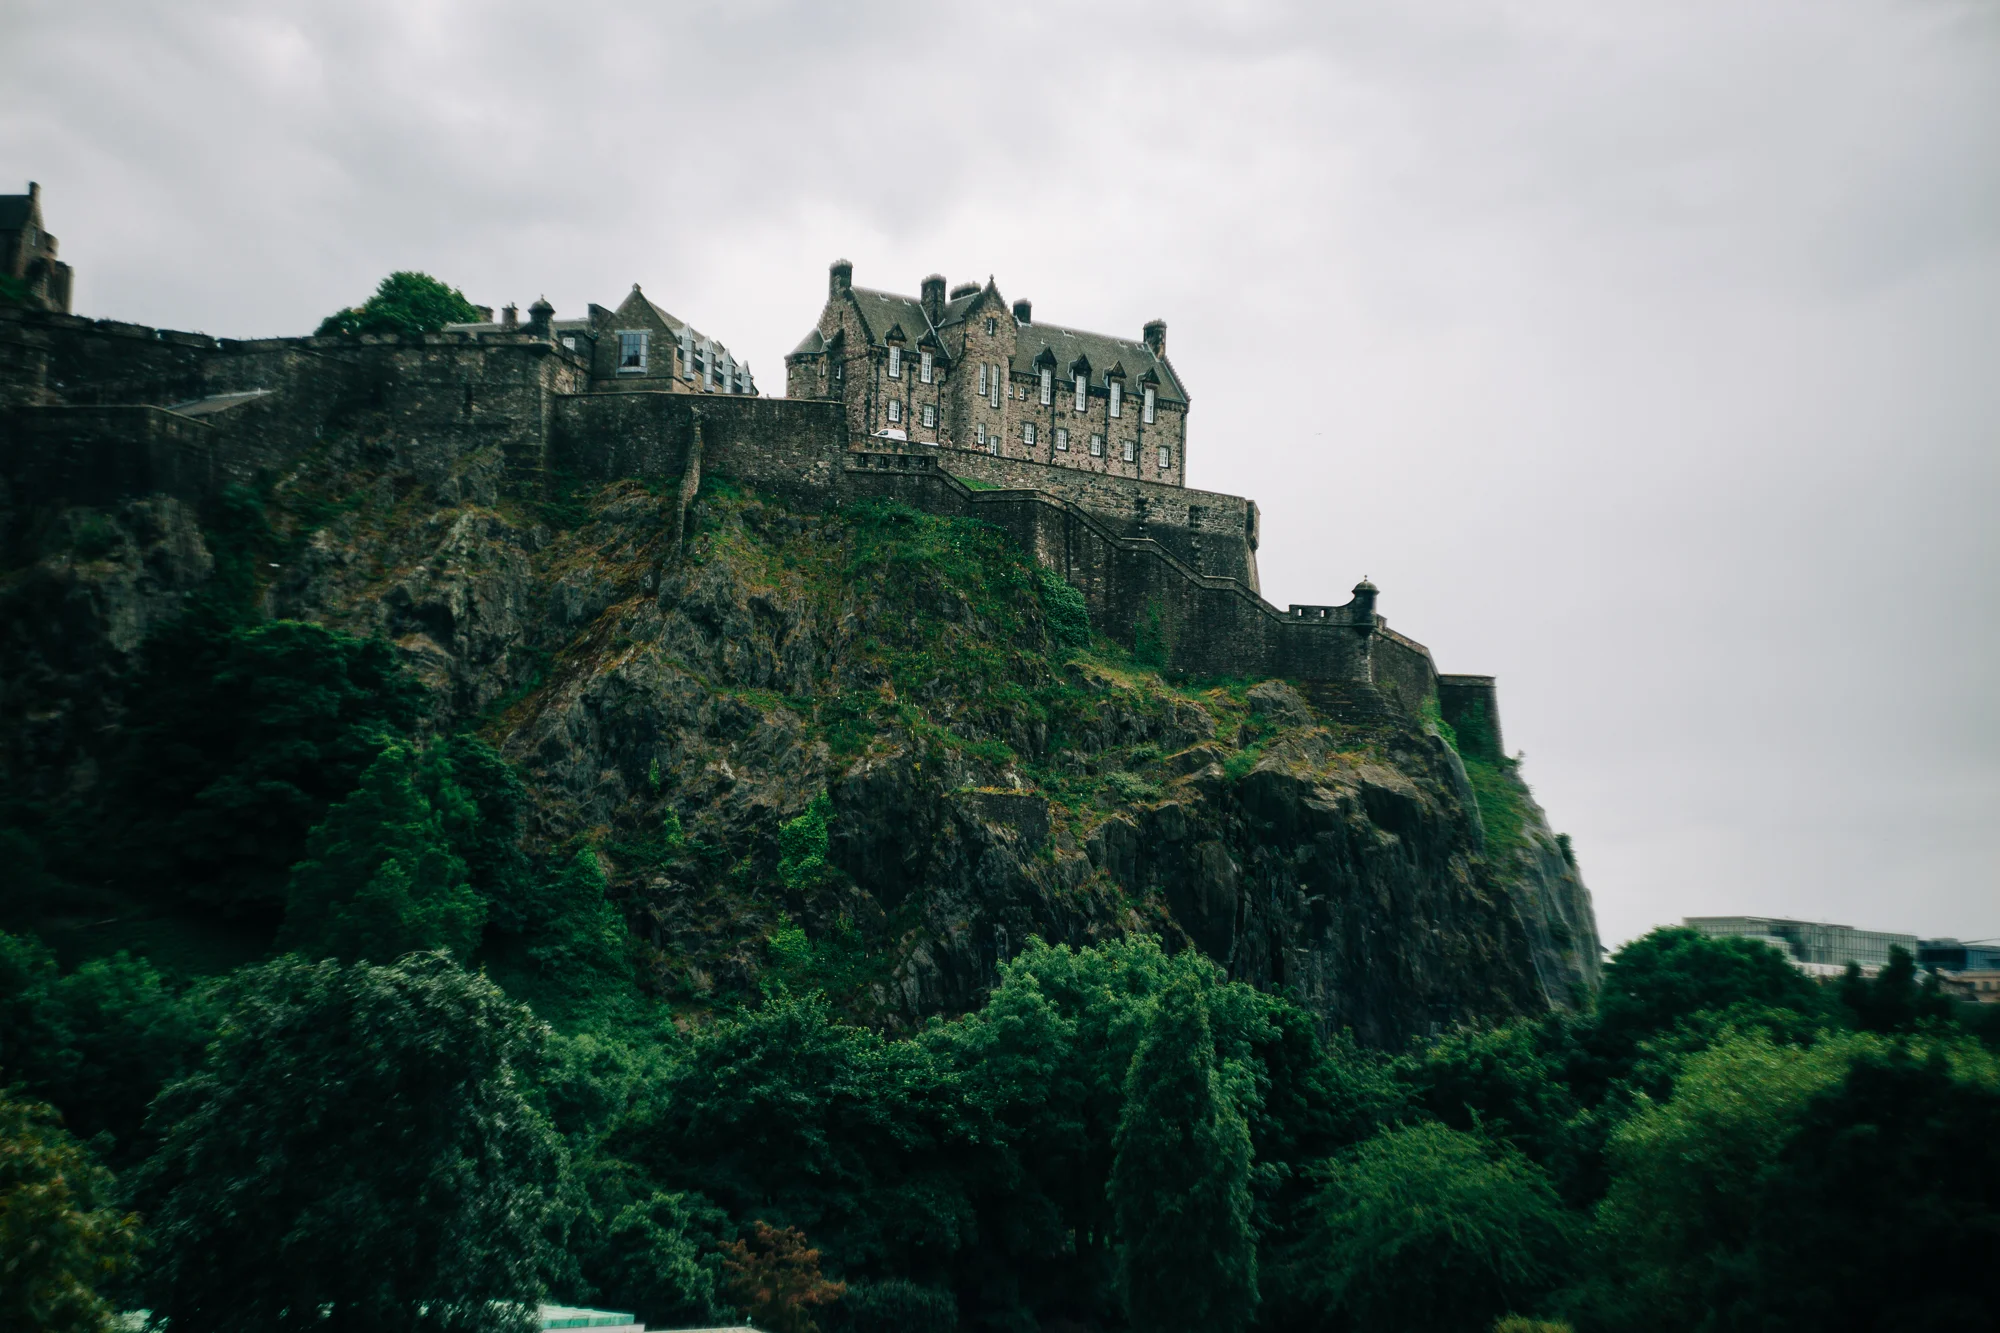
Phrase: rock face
(983, 785)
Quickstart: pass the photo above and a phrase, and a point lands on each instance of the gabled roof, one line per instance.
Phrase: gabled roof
(812, 346)
(1103, 353)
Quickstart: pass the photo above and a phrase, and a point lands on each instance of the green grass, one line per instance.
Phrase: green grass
(1503, 804)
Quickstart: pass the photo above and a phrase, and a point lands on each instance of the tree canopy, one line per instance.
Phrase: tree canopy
(405, 302)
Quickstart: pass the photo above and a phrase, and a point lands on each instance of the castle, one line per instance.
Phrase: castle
(954, 403)
(28, 252)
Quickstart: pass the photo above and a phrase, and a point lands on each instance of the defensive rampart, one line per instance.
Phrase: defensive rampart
(94, 411)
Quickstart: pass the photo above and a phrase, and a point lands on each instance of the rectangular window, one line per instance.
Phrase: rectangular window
(1062, 438)
(982, 379)
(1027, 432)
(687, 352)
(708, 364)
(569, 341)
(1048, 386)
(1117, 399)
(895, 410)
(930, 415)
(992, 326)
(1081, 390)
(1130, 446)
(1146, 407)
(895, 363)
(980, 435)
(1166, 458)
(1097, 446)
(996, 386)
(632, 351)
(925, 362)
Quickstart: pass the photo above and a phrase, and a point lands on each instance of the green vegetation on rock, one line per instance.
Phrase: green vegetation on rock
(405, 302)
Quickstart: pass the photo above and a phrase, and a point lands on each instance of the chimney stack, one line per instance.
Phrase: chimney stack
(839, 277)
(1156, 337)
(1024, 311)
(510, 316)
(933, 290)
(34, 192)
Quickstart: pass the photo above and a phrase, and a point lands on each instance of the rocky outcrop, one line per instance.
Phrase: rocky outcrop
(675, 707)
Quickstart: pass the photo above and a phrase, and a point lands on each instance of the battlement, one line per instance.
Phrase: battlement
(94, 411)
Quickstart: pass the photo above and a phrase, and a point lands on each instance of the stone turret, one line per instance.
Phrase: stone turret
(839, 277)
(539, 316)
(1155, 335)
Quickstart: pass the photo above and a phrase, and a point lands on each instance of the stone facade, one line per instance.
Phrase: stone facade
(636, 348)
(28, 252)
(92, 411)
(963, 371)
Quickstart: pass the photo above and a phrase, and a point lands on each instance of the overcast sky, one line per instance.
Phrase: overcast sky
(1646, 355)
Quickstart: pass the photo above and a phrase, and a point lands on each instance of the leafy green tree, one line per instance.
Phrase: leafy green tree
(61, 1241)
(663, 1260)
(1687, 1177)
(405, 302)
(243, 737)
(99, 1043)
(381, 877)
(1882, 1212)
(1894, 1001)
(358, 1151)
(1505, 1082)
(1428, 1227)
(1657, 981)
(897, 1305)
(1181, 1179)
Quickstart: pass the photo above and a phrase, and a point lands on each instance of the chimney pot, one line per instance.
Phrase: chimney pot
(1024, 311)
(510, 316)
(839, 277)
(34, 191)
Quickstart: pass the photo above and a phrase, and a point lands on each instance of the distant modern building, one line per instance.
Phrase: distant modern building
(1817, 948)
(1957, 956)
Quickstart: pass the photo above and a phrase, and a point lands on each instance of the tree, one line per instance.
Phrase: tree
(1428, 1227)
(1882, 1212)
(405, 302)
(381, 877)
(1893, 1001)
(243, 737)
(1181, 1179)
(1687, 1177)
(60, 1240)
(99, 1043)
(360, 1144)
(664, 1260)
(774, 1278)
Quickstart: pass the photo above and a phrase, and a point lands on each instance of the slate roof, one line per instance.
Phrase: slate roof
(1102, 351)
(13, 212)
(882, 311)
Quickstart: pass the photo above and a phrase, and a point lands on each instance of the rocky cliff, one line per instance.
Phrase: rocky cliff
(869, 748)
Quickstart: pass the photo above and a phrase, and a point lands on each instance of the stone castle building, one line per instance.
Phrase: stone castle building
(964, 371)
(28, 252)
(636, 348)
(952, 402)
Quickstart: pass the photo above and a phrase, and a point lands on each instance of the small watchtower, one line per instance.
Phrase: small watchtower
(28, 254)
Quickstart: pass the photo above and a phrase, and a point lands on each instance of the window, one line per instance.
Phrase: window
(925, 361)
(995, 399)
(930, 415)
(895, 410)
(569, 341)
(1146, 409)
(980, 435)
(992, 325)
(708, 364)
(1166, 458)
(1062, 438)
(1027, 432)
(895, 363)
(687, 352)
(982, 379)
(1130, 447)
(1117, 398)
(1097, 446)
(1048, 386)
(632, 351)
(1081, 390)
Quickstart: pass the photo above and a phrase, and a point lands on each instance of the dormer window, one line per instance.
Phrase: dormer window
(1082, 390)
(895, 363)
(1117, 398)
(1146, 408)
(1048, 386)
(925, 364)
(632, 352)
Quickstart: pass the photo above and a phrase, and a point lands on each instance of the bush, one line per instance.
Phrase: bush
(1063, 609)
(60, 1240)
